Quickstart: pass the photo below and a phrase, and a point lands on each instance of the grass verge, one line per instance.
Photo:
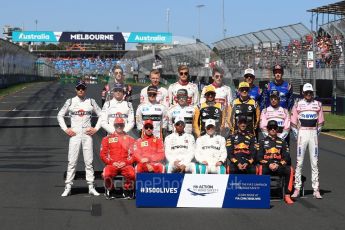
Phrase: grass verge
(335, 124)
(14, 88)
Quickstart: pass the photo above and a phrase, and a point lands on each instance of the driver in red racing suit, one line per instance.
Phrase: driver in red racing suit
(149, 151)
(116, 154)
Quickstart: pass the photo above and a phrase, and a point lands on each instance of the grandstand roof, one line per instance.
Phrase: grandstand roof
(275, 35)
(337, 8)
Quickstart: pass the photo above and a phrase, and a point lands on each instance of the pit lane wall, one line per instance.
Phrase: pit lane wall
(17, 65)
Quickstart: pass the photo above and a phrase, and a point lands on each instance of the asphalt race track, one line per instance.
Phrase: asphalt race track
(33, 157)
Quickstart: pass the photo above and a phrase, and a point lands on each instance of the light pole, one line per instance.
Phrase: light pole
(199, 7)
(36, 22)
(168, 19)
(223, 14)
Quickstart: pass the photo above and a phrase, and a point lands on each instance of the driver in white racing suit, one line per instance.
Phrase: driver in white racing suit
(179, 150)
(183, 83)
(162, 93)
(154, 111)
(306, 123)
(80, 110)
(182, 109)
(117, 108)
(211, 151)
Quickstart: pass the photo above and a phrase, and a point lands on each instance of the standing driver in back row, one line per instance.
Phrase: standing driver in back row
(183, 83)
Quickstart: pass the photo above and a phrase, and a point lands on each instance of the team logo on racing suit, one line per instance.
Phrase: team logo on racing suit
(144, 144)
(113, 140)
(81, 113)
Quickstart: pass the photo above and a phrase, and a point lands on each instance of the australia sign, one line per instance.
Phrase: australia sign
(92, 37)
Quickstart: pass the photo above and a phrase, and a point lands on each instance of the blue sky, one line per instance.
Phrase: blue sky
(150, 15)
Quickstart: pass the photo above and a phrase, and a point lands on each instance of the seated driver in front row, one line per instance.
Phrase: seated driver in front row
(210, 150)
(149, 151)
(241, 149)
(179, 149)
(274, 158)
(116, 154)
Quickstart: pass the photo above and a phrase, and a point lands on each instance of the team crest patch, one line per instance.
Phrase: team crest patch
(186, 141)
(113, 140)
(250, 108)
(144, 143)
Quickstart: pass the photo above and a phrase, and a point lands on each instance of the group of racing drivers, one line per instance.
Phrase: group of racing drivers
(180, 132)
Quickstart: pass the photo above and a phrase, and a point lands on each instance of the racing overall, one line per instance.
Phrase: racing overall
(155, 112)
(186, 112)
(113, 109)
(180, 148)
(307, 120)
(241, 149)
(249, 109)
(192, 89)
(285, 94)
(205, 111)
(80, 111)
(280, 115)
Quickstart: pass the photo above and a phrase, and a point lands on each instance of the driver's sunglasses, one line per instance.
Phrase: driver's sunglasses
(217, 76)
(152, 94)
(119, 125)
(148, 127)
(184, 73)
(245, 89)
(81, 88)
(273, 128)
(118, 72)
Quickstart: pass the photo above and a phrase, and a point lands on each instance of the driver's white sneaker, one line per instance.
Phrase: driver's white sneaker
(317, 194)
(67, 190)
(92, 191)
(296, 193)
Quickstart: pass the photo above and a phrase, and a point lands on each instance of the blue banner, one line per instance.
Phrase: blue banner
(146, 37)
(207, 190)
(34, 36)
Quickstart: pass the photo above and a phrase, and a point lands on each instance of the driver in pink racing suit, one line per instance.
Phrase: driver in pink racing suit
(277, 113)
(306, 124)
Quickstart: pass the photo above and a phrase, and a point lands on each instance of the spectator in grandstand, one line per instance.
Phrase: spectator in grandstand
(243, 106)
(179, 149)
(274, 157)
(118, 77)
(80, 109)
(154, 111)
(307, 120)
(283, 87)
(277, 113)
(149, 151)
(210, 109)
(116, 154)
(254, 91)
(183, 83)
(241, 150)
(162, 93)
(182, 109)
(117, 108)
(223, 92)
(210, 150)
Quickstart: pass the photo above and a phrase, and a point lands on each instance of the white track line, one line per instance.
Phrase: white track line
(28, 110)
(18, 118)
(39, 117)
(34, 110)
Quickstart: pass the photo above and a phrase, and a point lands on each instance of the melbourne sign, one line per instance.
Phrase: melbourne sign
(92, 37)
(203, 190)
